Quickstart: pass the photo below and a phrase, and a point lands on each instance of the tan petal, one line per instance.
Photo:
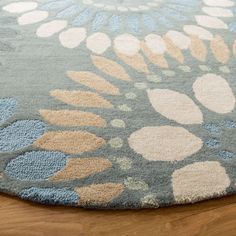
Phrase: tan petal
(214, 93)
(156, 59)
(72, 142)
(110, 67)
(73, 118)
(173, 50)
(199, 181)
(175, 106)
(234, 48)
(136, 61)
(93, 81)
(77, 168)
(220, 49)
(81, 98)
(164, 143)
(198, 49)
(99, 194)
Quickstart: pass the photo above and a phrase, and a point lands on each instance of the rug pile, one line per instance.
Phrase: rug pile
(117, 104)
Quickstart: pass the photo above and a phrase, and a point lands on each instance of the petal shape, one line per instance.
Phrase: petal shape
(72, 118)
(78, 168)
(32, 17)
(51, 196)
(110, 67)
(155, 44)
(178, 39)
(50, 28)
(175, 106)
(173, 50)
(127, 44)
(81, 98)
(199, 181)
(210, 22)
(72, 142)
(99, 194)
(164, 143)
(220, 49)
(100, 19)
(19, 7)
(198, 31)
(35, 166)
(219, 3)
(98, 43)
(20, 134)
(214, 93)
(217, 11)
(156, 59)
(7, 108)
(198, 49)
(135, 61)
(72, 37)
(93, 81)
(234, 48)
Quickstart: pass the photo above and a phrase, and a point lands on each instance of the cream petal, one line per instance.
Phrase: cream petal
(198, 31)
(72, 37)
(214, 93)
(19, 7)
(234, 48)
(217, 11)
(199, 181)
(179, 39)
(127, 44)
(219, 3)
(155, 43)
(32, 17)
(50, 28)
(164, 143)
(98, 43)
(210, 22)
(175, 106)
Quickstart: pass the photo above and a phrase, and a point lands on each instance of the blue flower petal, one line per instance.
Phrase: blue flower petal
(83, 17)
(213, 143)
(149, 22)
(7, 107)
(50, 196)
(212, 128)
(232, 27)
(56, 4)
(115, 23)
(36, 165)
(226, 154)
(133, 24)
(100, 19)
(20, 134)
(70, 11)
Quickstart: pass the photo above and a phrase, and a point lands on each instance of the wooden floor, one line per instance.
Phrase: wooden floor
(215, 217)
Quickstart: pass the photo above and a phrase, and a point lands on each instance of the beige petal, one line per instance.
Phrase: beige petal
(199, 181)
(198, 31)
(210, 22)
(214, 93)
(234, 48)
(99, 194)
(164, 143)
(72, 118)
(93, 81)
(220, 49)
(19, 7)
(175, 106)
(198, 49)
(156, 59)
(72, 142)
(81, 98)
(219, 3)
(173, 50)
(217, 11)
(179, 39)
(32, 17)
(110, 67)
(78, 168)
(136, 61)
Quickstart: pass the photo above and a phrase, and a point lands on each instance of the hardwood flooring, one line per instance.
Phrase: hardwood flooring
(209, 218)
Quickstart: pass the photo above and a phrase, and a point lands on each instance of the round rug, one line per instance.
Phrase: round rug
(117, 104)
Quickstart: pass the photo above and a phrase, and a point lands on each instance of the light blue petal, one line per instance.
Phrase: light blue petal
(70, 11)
(34, 165)
(232, 27)
(56, 5)
(212, 128)
(51, 196)
(100, 19)
(227, 154)
(213, 143)
(149, 22)
(7, 108)
(20, 134)
(115, 23)
(133, 24)
(162, 20)
(83, 17)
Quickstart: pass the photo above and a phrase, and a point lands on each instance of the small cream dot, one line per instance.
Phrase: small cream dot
(124, 107)
(154, 78)
(130, 96)
(140, 85)
(118, 123)
(116, 142)
(185, 68)
(169, 73)
(224, 69)
(204, 68)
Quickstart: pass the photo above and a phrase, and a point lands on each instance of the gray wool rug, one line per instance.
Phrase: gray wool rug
(117, 104)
